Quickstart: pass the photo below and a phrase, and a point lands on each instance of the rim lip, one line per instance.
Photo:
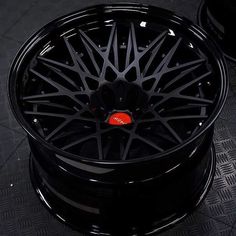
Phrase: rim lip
(45, 30)
(200, 12)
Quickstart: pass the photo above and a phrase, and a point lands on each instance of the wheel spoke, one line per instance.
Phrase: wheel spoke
(180, 76)
(154, 53)
(50, 104)
(107, 148)
(163, 65)
(165, 124)
(127, 148)
(91, 55)
(150, 143)
(187, 107)
(58, 129)
(49, 81)
(40, 96)
(115, 50)
(176, 92)
(90, 42)
(186, 65)
(137, 136)
(128, 50)
(99, 141)
(186, 117)
(129, 142)
(61, 89)
(62, 75)
(37, 113)
(56, 63)
(78, 62)
(55, 132)
(106, 61)
(156, 43)
(194, 99)
(91, 136)
(81, 140)
(172, 132)
(194, 81)
(134, 40)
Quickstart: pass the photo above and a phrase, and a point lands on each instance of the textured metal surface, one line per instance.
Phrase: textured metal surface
(21, 213)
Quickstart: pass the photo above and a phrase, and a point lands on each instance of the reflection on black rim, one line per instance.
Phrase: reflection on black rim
(202, 22)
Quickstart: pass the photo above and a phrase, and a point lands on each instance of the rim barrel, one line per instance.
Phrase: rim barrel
(161, 72)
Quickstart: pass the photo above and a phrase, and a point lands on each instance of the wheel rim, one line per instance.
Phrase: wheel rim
(92, 88)
(211, 19)
(169, 104)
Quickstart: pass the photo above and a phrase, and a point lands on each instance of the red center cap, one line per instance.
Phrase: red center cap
(119, 118)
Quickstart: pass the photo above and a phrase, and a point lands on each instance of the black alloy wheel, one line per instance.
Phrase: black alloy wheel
(217, 18)
(119, 103)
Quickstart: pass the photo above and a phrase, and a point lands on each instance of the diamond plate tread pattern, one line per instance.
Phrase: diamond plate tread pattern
(198, 224)
(8, 49)
(9, 142)
(220, 203)
(21, 212)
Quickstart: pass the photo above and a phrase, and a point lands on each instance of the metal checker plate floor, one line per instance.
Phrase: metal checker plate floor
(21, 213)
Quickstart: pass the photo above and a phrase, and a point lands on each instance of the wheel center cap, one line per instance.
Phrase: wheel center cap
(119, 118)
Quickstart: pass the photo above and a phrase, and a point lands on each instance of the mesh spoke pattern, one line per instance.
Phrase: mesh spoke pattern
(176, 79)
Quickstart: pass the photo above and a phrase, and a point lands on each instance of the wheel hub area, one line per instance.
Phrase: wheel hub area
(119, 118)
(119, 103)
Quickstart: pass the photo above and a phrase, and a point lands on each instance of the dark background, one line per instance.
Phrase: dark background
(21, 213)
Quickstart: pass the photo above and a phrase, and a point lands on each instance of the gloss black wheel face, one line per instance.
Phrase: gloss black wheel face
(78, 78)
(119, 102)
